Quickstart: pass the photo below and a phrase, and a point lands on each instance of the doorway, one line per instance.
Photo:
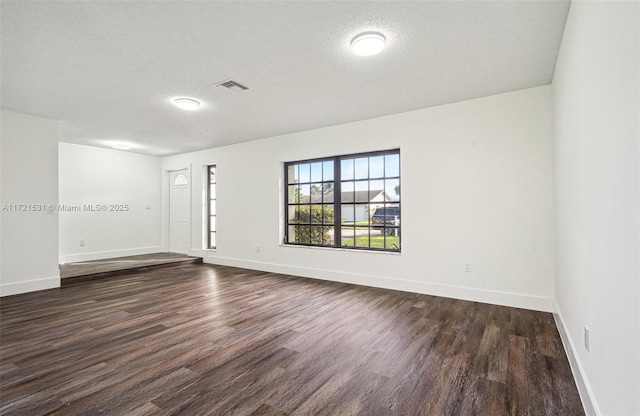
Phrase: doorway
(179, 211)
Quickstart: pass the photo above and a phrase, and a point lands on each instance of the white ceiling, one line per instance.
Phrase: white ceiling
(109, 70)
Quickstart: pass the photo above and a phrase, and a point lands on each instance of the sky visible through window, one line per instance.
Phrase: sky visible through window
(353, 173)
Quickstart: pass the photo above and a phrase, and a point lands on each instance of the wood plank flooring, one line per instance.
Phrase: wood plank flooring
(214, 340)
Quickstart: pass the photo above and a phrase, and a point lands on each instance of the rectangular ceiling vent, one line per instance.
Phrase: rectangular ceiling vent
(232, 86)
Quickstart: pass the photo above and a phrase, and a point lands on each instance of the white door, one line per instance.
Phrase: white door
(179, 211)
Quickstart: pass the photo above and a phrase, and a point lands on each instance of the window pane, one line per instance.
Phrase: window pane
(212, 174)
(362, 191)
(362, 214)
(327, 171)
(305, 192)
(212, 239)
(304, 216)
(316, 214)
(347, 236)
(318, 235)
(362, 168)
(304, 172)
(392, 188)
(212, 191)
(316, 191)
(392, 212)
(329, 235)
(303, 234)
(212, 207)
(293, 213)
(346, 169)
(366, 222)
(376, 167)
(362, 239)
(327, 214)
(348, 196)
(348, 213)
(292, 173)
(327, 195)
(392, 165)
(376, 188)
(292, 234)
(392, 241)
(212, 223)
(294, 195)
(316, 172)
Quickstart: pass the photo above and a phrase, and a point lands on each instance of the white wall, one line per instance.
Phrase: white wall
(29, 240)
(97, 176)
(476, 187)
(596, 91)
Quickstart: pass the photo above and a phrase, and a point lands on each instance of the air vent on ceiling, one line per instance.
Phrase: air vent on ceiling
(232, 86)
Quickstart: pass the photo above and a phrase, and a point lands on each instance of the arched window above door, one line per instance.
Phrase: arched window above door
(181, 180)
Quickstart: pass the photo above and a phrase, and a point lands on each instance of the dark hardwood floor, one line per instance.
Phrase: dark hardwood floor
(213, 340)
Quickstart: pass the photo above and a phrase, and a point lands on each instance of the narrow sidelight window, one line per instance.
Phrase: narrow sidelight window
(211, 206)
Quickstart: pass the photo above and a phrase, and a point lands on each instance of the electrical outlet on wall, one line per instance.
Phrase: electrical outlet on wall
(258, 248)
(81, 243)
(467, 267)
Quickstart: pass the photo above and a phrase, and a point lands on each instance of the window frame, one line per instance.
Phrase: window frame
(211, 199)
(337, 200)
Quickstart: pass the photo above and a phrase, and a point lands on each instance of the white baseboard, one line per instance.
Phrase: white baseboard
(8, 289)
(99, 255)
(457, 292)
(586, 395)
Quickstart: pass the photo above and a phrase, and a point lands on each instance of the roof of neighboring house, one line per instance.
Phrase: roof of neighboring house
(347, 197)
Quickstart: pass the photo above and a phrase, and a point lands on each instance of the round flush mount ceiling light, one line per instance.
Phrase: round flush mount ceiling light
(120, 144)
(368, 43)
(187, 103)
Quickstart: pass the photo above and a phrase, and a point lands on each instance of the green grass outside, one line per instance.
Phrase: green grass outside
(376, 242)
(359, 223)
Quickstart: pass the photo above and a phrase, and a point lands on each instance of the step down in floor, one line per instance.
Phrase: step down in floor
(98, 269)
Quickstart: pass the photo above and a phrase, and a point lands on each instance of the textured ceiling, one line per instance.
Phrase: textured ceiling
(110, 70)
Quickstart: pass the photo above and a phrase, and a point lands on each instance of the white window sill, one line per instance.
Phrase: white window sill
(393, 253)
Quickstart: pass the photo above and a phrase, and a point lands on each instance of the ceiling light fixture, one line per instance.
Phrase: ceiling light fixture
(187, 103)
(121, 146)
(368, 43)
